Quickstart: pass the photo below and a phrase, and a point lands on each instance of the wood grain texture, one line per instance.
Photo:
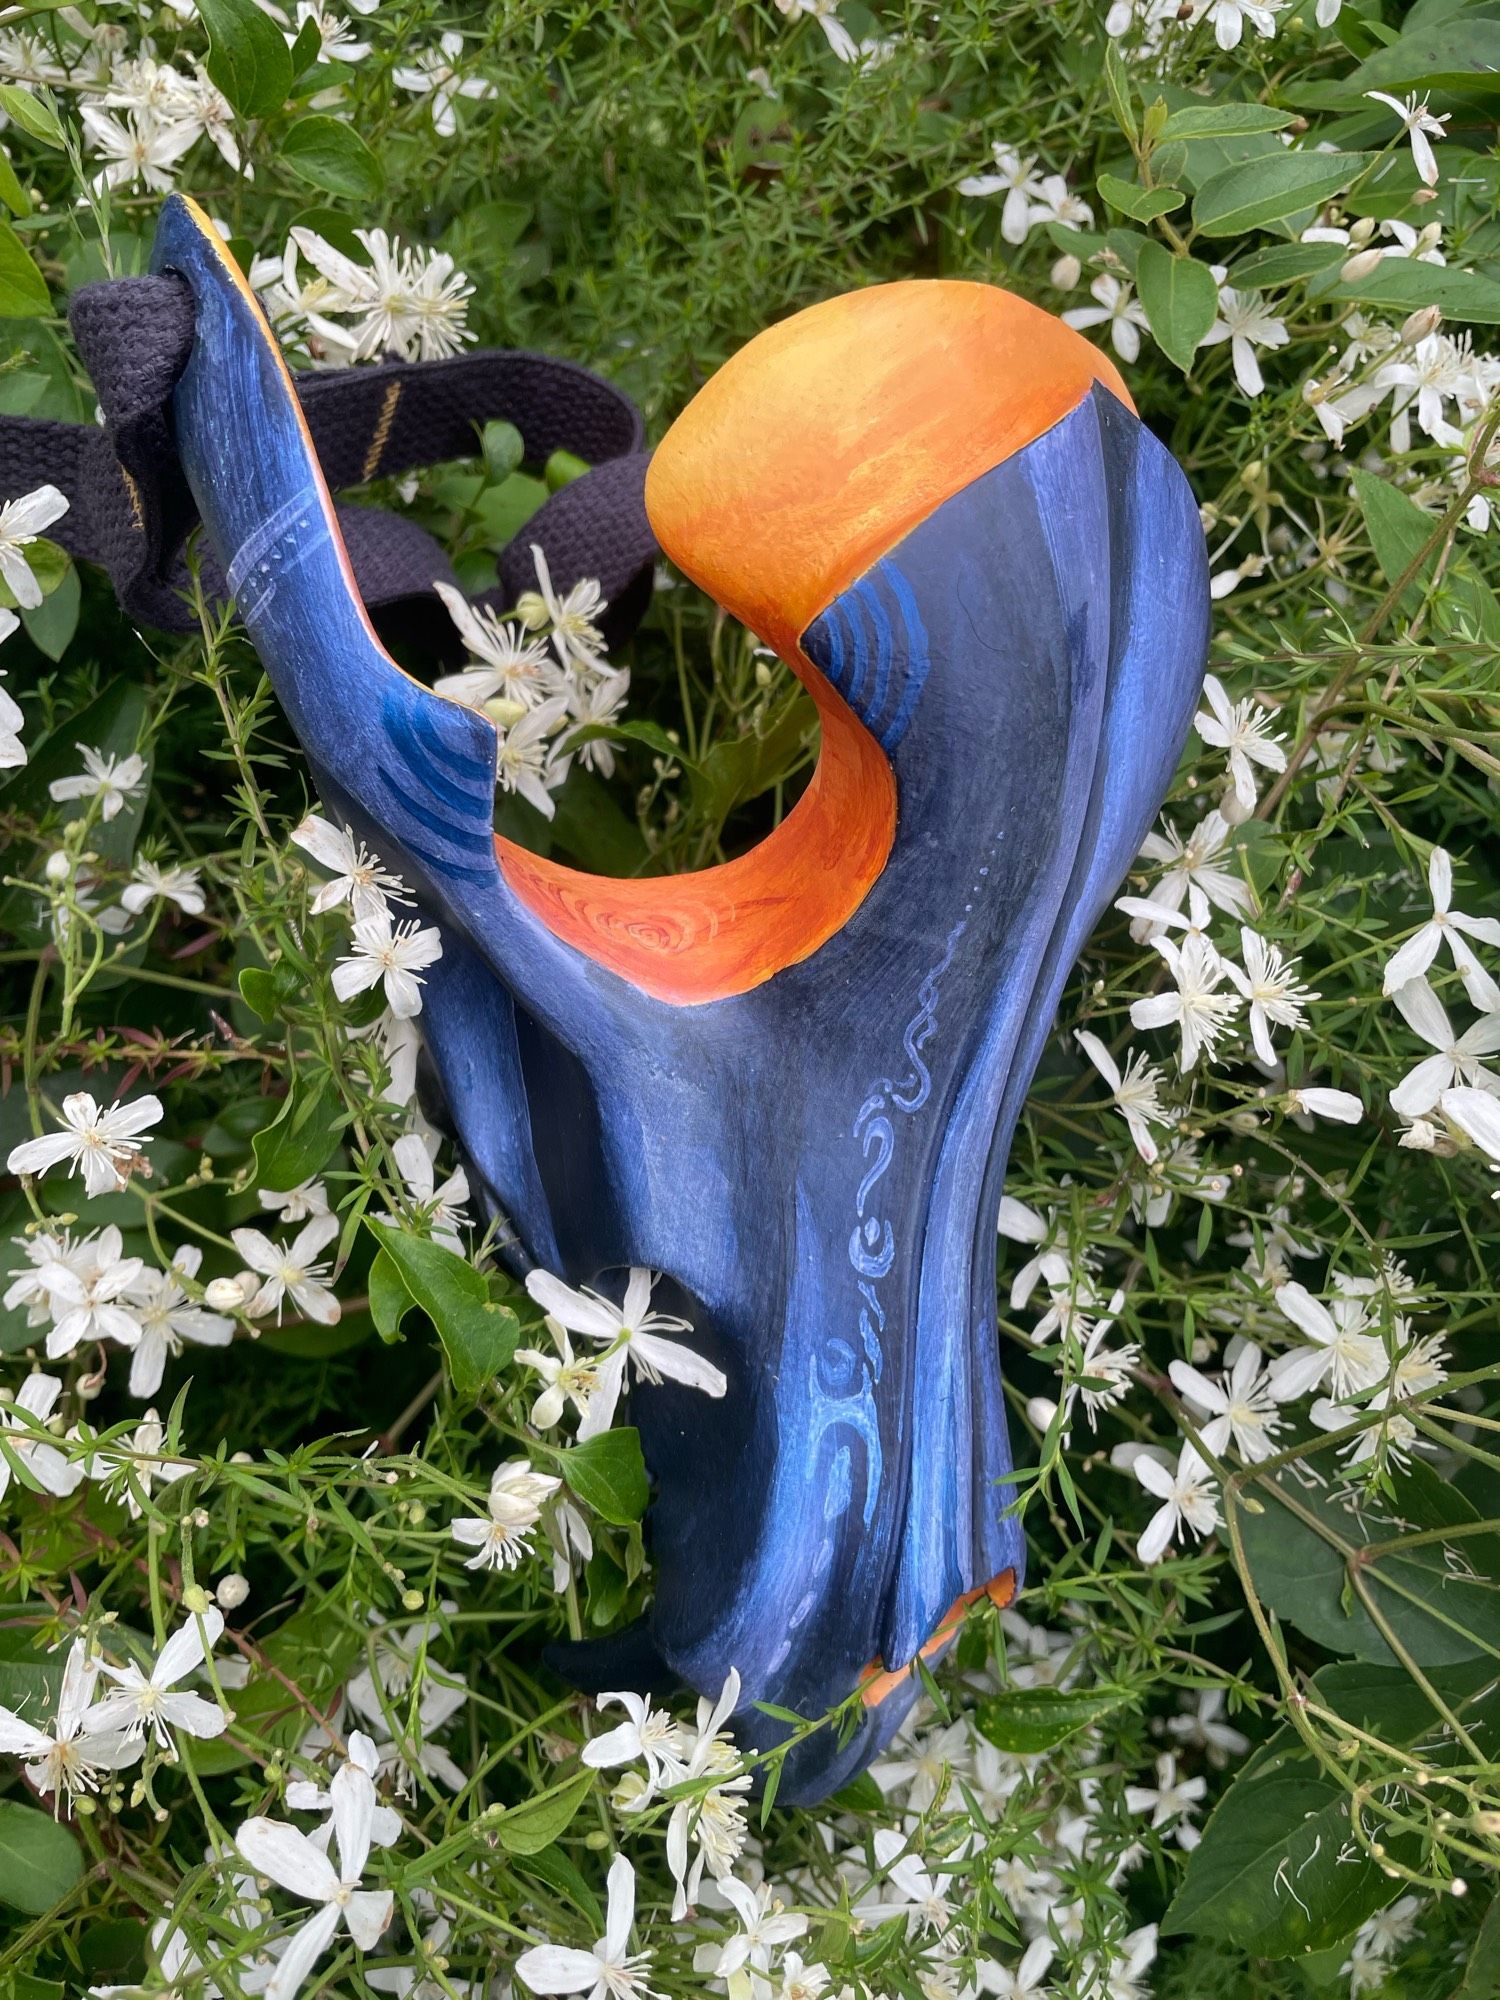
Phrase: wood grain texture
(814, 1157)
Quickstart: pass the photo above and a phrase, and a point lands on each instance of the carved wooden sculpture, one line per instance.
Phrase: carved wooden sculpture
(788, 1082)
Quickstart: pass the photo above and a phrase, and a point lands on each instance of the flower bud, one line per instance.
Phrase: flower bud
(1360, 265)
(1361, 232)
(223, 1294)
(1425, 320)
(195, 1600)
(232, 1591)
(1040, 1411)
(1066, 273)
(59, 866)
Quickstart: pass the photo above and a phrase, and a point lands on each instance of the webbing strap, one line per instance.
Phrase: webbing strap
(130, 510)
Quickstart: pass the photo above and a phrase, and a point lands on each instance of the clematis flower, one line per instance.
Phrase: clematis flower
(35, 1399)
(1246, 324)
(1338, 1349)
(1451, 927)
(443, 1206)
(1239, 729)
(358, 877)
(1187, 1500)
(294, 1861)
(628, 1332)
(610, 1971)
(1196, 1006)
(104, 1144)
(1421, 126)
(1015, 177)
(291, 1270)
(1136, 1094)
(1459, 1059)
(1240, 1405)
(167, 1316)
(1270, 986)
(68, 1757)
(111, 780)
(517, 1495)
(647, 1733)
(1115, 308)
(153, 1701)
(394, 953)
(21, 521)
(173, 885)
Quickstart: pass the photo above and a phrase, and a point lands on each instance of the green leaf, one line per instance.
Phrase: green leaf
(247, 56)
(1025, 1721)
(503, 448)
(32, 111)
(39, 1860)
(1399, 529)
(1179, 298)
(23, 289)
(257, 984)
(478, 1335)
(743, 768)
(1402, 284)
(1438, 1612)
(1141, 204)
(528, 1828)
(12, 193)
(1260, 194)
(1462, 53)
(1284, 263)
(1277, 1870)
(300, 1141)
(1482, 1971)
(1224, 121)
(650, 733)
(562, 468)
(30, 1677)
(51, 625)
(327, 153)
(1117, 83)
(390, 1301)
(608, 1474)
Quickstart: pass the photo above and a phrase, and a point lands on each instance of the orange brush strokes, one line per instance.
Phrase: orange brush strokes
(800, 464)
(878, 1683)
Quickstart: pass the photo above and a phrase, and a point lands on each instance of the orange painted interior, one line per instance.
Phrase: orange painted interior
(878, 1682)
(801, 463)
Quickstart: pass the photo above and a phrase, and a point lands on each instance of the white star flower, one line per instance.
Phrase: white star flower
(110, 780)
(627, 1332)
(571, 615)
(1246, 324)
(1241, 1405)
(1459, 1058)
(104, 1144)
(1196, 1006)
(1117, 309)
(1015, 177)
(442, 1206)
(358, 877)
(647, 1733)
(67, 1758)
(611, 1971)
(1136, 1094)
(517, 1496)
(1270, 986)
(26, 1443)
(167, 1316)
(21, 521)
(294, 1861)
(507, 662)
(174, 885)
(1338, 1351)
(1421, 126)
(1239, 729)
(394, 953)
(153, 1701)
(1451, 927)
(569, 1378)
(1187, 1496)
(1193, 864)
(291, 1271)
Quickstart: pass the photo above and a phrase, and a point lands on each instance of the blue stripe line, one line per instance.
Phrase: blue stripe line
(918, 662)
(850, 604)
(462, 837)
(865, 591)
(435, 726)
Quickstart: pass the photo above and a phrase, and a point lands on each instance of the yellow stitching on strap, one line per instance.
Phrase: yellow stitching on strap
(382, 431)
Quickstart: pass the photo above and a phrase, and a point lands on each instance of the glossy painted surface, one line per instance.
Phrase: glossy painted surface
(815, 1160)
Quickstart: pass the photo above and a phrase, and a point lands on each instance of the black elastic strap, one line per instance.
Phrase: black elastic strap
(131, 512)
